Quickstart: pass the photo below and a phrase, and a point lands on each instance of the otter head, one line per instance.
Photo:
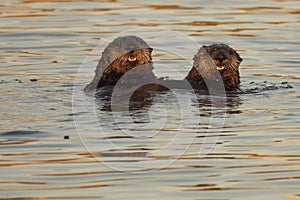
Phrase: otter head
(214, 61)
(224, 57)
(120, 56)
(130, 59)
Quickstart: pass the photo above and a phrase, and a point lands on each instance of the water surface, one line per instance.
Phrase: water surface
(255, 156)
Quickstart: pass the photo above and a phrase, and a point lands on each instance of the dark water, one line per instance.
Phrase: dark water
(179, 145)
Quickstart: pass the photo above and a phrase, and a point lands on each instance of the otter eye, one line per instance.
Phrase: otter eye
(131, 58)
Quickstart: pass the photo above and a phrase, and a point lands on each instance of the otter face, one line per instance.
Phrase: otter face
(132, 59)
(212, 61)
(224, 57)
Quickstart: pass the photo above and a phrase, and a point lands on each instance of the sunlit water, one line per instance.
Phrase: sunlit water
(183, 147)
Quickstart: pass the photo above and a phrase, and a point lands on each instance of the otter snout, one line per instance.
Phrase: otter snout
(220, 58)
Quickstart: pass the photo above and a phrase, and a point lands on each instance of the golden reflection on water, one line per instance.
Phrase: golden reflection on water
(258, 149)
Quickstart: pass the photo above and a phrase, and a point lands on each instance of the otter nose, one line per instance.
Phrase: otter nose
(220, 58)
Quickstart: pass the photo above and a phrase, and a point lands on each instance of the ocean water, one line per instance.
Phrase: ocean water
(58, 143)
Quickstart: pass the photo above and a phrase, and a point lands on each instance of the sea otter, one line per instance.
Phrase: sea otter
(127, 63)
(128, 55)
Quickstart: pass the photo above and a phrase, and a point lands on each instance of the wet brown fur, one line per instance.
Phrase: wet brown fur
(114, 63)
(205, 67)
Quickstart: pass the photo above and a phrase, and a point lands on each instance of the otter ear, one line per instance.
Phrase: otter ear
(206, 48)
(238, 57)
(236, 54)
(196, 59)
